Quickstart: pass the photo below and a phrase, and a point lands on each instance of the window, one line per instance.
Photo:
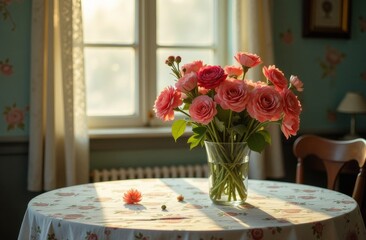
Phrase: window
(126, 43)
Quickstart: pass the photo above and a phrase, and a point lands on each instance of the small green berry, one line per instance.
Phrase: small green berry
(163, 207)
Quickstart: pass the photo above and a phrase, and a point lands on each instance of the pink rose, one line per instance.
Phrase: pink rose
(203, 109)
(233, 71)
(297, 83)
(191, 67)
(291, 105)
(276, 76)
(290, 125)
(256, 84)
(211, 76)
(187, 83)
(265, 104)
(6, 69)
(202, 90)
(232, 94)
(14, 116)
(247, 59)
(166, 102)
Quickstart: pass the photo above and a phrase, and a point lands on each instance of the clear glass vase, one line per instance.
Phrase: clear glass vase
(228, 172)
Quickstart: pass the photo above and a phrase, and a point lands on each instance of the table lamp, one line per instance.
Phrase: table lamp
(353, 103)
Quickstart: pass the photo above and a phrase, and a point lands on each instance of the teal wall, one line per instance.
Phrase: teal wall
(15, 53)
(305, 56)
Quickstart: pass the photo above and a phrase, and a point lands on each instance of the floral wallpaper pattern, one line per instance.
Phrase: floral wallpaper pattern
(333, 57)
(287, 37)
(5, 67)
(6, 15)
(334, 64)
(13, 115)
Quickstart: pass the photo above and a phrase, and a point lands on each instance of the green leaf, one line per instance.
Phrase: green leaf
(199, 130)
(257, 142)
(198, 137)
(239, 129)
(219, 124)
(266, 135)
(194, 141)
(186, 106)
(21, 126)
(178, 128)
(236, 118)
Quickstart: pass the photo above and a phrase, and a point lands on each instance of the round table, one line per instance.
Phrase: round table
(274, 210)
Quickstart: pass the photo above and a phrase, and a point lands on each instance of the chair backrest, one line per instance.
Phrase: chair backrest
(334, 154)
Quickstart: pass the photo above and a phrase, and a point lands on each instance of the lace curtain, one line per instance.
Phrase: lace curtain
(58, 142)
(254, 35)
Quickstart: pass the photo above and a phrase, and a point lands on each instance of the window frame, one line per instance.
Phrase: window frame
(146, 70)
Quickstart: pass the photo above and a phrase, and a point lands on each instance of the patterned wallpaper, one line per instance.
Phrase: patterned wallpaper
(14, 66)
(328, 67)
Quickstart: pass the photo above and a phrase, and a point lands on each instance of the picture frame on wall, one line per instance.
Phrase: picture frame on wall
(327, 18)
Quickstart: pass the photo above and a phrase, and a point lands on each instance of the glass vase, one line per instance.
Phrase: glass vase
(228, 165)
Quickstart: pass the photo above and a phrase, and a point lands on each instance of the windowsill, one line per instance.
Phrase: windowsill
(136, 132)
(137, 138)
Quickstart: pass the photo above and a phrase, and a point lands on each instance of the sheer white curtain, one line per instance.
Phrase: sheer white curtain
(254, 35)
(58, 142)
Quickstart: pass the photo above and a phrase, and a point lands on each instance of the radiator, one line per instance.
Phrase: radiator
(189, 171)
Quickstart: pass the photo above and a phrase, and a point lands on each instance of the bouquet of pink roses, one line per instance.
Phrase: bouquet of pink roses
(228, 115)
(222, 106)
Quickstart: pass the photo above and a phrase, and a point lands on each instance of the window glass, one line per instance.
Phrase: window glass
(125, 52)
(185, 22)
(109, 21)
(111, 86)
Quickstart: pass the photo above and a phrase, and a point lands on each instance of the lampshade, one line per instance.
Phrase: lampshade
(352, 103)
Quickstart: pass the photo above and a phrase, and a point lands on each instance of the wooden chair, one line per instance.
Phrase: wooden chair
(334, 154)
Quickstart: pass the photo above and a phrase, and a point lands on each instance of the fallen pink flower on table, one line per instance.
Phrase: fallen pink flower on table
(132, 196)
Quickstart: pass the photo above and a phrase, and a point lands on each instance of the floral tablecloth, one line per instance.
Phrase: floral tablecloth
(274, 210)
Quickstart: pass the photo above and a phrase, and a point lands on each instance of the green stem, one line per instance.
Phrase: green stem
(211, 128)
(247, 133)
(227, 170)
(175, 70)
(180, 110)
(245, 70)
(230, 117)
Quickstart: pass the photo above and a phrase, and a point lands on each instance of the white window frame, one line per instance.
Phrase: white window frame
(146, 60)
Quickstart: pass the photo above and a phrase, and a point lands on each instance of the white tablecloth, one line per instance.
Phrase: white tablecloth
(274, 210)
